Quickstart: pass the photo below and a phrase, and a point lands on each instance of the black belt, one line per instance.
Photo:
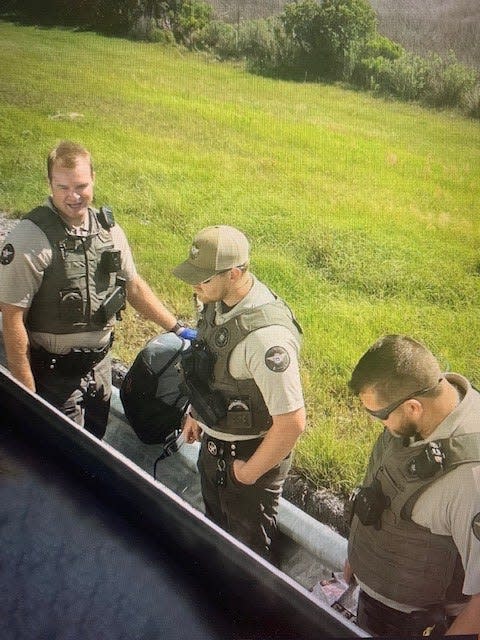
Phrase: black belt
(379, 619)
(76, 361)
(231, 449)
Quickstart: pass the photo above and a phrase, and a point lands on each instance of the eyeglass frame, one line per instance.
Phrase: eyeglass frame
(384, 414)
(219, 273)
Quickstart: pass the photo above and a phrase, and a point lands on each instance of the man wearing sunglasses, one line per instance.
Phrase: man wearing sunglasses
(244, 386)
(414, 544)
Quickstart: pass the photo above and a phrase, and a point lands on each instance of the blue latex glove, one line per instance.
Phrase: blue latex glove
(187, 333)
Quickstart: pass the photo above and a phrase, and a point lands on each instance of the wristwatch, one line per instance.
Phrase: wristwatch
(178, 327)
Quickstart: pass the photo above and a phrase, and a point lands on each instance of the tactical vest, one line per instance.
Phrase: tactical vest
(247, 413)
(396, 557)
(77, 280)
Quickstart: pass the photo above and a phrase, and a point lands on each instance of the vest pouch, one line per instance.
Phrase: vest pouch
(111, 261)
(72, 306)
(197, 369)
(112, 305)
(198, 362)
(210, 405)
(239, 414)
(429, 462)
(370, 503)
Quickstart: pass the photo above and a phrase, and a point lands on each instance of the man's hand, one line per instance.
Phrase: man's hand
(277, 444)
(239, 473)
(191, 430)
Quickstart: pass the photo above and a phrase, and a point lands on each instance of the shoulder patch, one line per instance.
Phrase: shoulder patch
(277, 359)
(7, 255)
(476, 526)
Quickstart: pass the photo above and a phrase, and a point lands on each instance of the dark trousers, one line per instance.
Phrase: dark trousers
(380, 620)
(248, 512)
(83, 397)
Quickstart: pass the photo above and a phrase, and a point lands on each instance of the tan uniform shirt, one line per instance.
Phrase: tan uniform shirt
(451, 505)
(21, 279)
(281, 390)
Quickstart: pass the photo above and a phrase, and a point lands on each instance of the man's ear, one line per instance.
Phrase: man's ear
(236, 274)
(414, 408)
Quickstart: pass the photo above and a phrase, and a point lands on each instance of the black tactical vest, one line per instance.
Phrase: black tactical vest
(247, 413)
(77, 280)
(396, 557)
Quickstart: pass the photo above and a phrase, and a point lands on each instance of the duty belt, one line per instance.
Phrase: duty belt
(227, 448)
(78, 361)
(379, 619)
(224, 450)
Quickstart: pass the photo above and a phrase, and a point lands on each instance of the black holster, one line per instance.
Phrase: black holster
(76, 362)
(197, 364)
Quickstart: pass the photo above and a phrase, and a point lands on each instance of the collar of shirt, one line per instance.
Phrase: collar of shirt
(464, 418)
(258, 295)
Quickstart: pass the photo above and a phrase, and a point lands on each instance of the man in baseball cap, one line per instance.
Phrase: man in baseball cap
(213, 250)
(247, 406)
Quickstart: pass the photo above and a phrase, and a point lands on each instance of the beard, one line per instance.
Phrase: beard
(407, 429)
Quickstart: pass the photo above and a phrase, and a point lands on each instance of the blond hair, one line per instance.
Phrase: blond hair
(67, 153)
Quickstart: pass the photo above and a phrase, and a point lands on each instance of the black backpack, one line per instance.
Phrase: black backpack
(150, 392)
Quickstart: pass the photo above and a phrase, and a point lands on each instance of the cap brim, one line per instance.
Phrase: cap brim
(192, 274)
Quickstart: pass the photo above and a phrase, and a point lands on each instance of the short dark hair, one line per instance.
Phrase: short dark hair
(395, 366)
(67, 153)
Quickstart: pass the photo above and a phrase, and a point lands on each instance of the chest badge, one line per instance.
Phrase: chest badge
(7, 255)
(221, 338)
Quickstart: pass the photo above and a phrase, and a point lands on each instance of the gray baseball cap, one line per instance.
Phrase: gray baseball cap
(214, 249)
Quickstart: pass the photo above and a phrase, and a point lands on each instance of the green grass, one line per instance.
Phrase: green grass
(362, 212)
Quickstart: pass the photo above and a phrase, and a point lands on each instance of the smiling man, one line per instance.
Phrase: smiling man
(414, 544)
(244, 383)
(66, 270)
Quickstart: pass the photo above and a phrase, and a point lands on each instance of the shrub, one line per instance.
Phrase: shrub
(371, 64)
(403, 78)
(256, 34)
(330, 35)
(381, 47)
(148, 29)
(447, 82)
(190, 19)
(222, 38)
(274, 52)
(471, 102)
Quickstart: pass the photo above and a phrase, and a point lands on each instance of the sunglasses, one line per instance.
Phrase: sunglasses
(242, 267)
(383, 414)
(219, 273)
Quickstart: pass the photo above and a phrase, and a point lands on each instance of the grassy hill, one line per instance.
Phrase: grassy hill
(362, 213)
